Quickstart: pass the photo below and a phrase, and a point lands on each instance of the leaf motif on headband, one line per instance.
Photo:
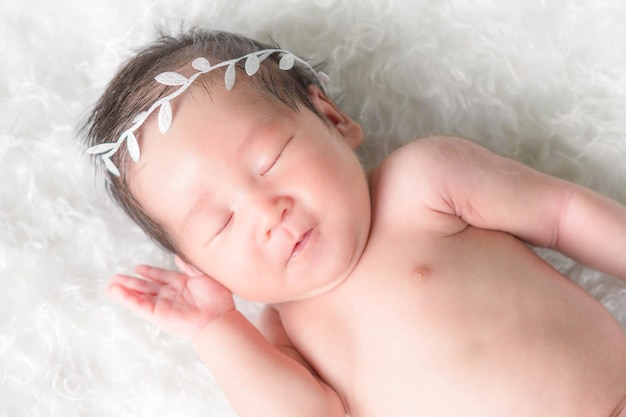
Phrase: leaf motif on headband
(252, 65)
(201, 64)
(165, 117)
(133, 146)
(287, 62)
(229, 77)
(110, 166)
(101, 148)
(173, 79)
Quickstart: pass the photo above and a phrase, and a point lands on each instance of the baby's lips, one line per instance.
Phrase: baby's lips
(301, 244)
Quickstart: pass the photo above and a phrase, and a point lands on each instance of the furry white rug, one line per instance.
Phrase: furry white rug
(542, 82)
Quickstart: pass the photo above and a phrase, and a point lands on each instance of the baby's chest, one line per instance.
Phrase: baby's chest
(402, 308)
(424, 322)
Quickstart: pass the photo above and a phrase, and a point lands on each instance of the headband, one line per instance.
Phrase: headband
(253, 61)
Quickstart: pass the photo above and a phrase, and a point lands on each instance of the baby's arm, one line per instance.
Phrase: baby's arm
(260, 379)
(257, 378)
(485, 190)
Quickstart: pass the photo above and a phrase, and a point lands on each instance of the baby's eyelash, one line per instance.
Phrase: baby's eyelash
(269, 168)
(225, 225)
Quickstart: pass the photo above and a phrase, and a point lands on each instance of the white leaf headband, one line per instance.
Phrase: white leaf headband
(202, 65)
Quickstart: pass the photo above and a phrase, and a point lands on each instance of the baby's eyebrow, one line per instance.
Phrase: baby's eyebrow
(250, 137)
(201, 202)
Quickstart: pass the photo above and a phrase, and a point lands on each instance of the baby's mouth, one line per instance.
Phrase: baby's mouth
(301, 244)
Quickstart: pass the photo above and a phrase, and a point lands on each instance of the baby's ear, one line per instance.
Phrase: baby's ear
(349, 129)
(186, 268)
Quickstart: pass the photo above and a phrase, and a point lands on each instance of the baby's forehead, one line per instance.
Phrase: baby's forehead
(219, 118)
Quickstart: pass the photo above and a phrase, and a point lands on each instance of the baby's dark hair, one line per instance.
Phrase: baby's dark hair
(134, 89)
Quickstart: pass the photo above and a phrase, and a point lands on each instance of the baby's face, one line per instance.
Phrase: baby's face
(270, 202)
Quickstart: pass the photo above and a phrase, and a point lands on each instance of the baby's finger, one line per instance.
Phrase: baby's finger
(136, 285)
(152, 273)
(139, 304)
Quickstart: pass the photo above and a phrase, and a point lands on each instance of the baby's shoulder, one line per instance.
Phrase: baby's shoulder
(415, 171)
(430, 156)
(409, 185)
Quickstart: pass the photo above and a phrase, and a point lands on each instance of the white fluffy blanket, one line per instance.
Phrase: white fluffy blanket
(541, 81)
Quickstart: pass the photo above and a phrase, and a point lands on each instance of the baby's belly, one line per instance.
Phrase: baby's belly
(476, 327)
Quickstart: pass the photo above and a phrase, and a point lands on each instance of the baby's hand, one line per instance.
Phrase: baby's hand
(179, 303)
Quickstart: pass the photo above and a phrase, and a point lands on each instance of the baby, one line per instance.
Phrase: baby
(406, 291)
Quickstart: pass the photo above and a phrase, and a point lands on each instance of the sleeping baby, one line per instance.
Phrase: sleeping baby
(405, 291)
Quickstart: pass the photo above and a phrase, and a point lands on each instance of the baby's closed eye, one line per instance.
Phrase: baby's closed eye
(271, 161)
(225, 224)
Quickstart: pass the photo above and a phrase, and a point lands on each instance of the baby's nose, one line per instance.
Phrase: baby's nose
(272, 213)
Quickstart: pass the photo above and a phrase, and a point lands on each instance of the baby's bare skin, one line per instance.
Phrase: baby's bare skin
(463, 322)
(427, 305)
(442, 318)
